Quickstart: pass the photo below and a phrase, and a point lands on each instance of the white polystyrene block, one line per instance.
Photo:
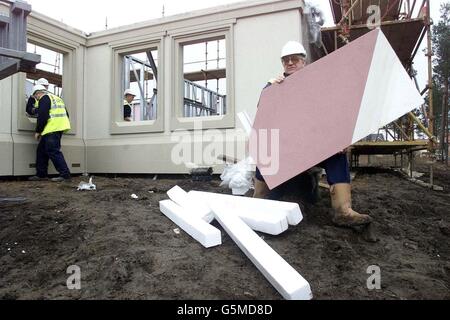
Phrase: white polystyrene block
(289, 283)
(181, 197)
(193, 225)
(261, 207)
(273, 223)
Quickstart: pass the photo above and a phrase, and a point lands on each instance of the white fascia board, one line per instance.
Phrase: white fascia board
(273, 223)
(192, 206)
(196, 227)
(262, 207)
(289, 283)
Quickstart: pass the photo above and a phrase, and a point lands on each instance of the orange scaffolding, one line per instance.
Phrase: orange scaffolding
(405, 24)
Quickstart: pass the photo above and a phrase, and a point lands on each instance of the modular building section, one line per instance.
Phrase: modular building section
(17, 143)
(251, 35)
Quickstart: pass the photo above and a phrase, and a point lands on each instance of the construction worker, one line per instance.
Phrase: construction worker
(33, 103)
(129, 97)
(293, 59)
(153, 104)
(52, 122)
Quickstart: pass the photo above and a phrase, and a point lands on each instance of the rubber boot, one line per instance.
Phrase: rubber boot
(341, 201)
(261, 189)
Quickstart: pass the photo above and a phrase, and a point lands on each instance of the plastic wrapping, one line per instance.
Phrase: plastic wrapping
(87, 186)
(238, 177)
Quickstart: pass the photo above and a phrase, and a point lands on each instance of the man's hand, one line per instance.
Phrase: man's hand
(37, 136)
(278, 79)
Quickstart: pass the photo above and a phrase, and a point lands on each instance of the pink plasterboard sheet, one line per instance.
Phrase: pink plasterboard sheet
(315, 109)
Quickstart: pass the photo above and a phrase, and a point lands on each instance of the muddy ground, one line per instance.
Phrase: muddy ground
(127, 249)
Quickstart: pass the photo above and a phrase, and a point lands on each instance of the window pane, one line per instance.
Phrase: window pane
(140, 76)
(50, 68)
(204, 69)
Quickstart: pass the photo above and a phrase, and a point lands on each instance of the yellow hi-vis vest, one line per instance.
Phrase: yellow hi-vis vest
(126, 103)
(36, 103)
(59, 121)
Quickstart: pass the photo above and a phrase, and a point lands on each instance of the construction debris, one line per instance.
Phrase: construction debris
(196, 227)
(238, 177)
(288, 282)
(89, 186)
(274, 223)
(444, 227)
(12, 200)
(271, 217)
(186, 201)
(261, 210)
(201, 174)
(238, 216)
(421, 183)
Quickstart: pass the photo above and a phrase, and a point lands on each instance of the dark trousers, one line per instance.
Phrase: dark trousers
(336, 168)
(50, 148)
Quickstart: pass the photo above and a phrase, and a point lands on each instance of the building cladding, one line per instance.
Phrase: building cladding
(92, 80)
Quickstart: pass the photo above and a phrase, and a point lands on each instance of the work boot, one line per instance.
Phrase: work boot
(261, 189)
(37, 178)
(341, 201)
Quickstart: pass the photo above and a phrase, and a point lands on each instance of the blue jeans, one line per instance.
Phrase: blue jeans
(336, 168)
(50, 148)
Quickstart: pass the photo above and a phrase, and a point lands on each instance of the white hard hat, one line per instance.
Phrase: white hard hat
(130, 92)
(43, 82)
(38, 87)
(293, 47)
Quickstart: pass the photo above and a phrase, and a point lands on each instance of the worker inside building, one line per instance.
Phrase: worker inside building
(129, 96)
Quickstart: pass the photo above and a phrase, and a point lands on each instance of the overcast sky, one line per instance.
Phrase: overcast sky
(90, 15)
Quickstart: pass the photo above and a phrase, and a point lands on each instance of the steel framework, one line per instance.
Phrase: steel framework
(13, 41)
(405, 31)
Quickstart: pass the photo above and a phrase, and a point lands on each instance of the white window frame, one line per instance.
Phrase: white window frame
(69, 83)
(118, 125)
(178, 122)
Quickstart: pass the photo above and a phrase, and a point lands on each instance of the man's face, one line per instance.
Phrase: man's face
(293, 63)
(129, 98)
(38, 95)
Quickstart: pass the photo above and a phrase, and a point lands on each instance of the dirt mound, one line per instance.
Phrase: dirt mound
(127, 249)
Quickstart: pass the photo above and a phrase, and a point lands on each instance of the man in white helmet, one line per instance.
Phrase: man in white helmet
(293, 59)
(129, 97)
(32, 103)
(52, 122)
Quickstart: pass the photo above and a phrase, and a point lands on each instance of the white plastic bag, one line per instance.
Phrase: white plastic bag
(238, 177)
(87, 186)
